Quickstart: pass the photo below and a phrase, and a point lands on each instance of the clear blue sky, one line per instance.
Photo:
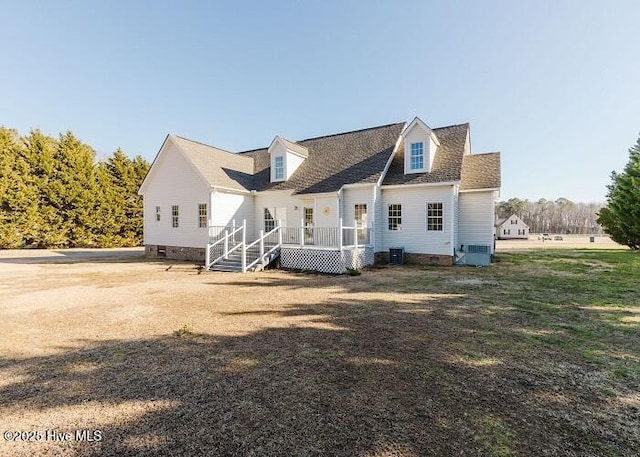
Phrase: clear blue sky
(553, 85)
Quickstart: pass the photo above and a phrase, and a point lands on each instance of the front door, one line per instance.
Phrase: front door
(360, 211)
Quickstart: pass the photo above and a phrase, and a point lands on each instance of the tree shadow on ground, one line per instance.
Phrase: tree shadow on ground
(354, 377)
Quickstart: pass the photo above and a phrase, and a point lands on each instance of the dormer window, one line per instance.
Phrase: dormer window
(420, 147)
(279, 168)
(417, 156)
(286, 157)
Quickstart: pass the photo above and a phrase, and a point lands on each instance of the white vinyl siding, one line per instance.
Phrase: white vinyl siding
(414, 237)
(227, 207)
(476, 218)
(186, 190)
(353, 197)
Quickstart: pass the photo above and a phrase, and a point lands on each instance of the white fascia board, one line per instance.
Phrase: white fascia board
(422, 184)
(412, 124)
(319, 194)
(228, 190)
(147, 178)
(275, 139)
(396, 148)
(291, 151)
(435, 138)
(488, 189)
(358, 185)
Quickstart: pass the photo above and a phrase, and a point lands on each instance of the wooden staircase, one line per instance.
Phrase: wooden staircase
(233, 263)
(229, 250)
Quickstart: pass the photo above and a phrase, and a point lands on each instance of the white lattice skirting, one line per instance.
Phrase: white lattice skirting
(326, 260)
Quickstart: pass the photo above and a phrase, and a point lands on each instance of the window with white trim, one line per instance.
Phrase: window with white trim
(202, 215)
(417, 156)
(279, 167)
(175, 214)
(435, 217)
(157, 213)
(395, 216)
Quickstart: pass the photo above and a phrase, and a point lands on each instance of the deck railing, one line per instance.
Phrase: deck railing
(326, 237)
(224, 240)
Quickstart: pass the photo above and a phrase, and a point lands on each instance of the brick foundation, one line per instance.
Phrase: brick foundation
(417, 259)
(175, 252)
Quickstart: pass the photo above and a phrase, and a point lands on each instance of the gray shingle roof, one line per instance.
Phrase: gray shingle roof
(447, 163)
(346, 158)
(219, 167)
(335, 160)
(481, 171)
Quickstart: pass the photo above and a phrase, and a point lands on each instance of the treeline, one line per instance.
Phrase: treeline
(547, 216)
(54, 194)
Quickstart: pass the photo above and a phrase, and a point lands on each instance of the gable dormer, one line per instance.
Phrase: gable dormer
(420, 145)
(286, 156)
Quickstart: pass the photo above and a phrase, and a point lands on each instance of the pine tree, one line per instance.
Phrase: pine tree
(621, 217)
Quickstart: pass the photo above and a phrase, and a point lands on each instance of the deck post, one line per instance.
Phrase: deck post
(207, 257)
(301, 232)
(279, 232)
(261, 243)
(340, 234)
(226, 243)
(355, 235)
(244, 245)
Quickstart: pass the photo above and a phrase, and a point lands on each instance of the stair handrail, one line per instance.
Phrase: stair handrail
(261, 241)
(224, 240)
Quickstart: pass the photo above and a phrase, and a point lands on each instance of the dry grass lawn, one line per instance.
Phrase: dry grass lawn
(537, 355)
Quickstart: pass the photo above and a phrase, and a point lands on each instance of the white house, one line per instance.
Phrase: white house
(512, 228)
(327, 203)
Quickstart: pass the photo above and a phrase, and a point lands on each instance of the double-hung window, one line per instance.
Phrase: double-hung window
(417, 156)
(435, 217)
(202, 215)
(157, 213)
(175, 216)
(279, 165)
(395, 217)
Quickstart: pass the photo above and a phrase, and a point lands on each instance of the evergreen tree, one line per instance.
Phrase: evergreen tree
(71, 194)
(621, 217)
(52, 194)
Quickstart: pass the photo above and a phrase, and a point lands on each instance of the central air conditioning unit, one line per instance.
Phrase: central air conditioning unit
(396, 256)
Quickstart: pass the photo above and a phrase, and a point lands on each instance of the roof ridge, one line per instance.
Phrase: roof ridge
(351, 131)
(325, 136)
(204, 144)
(482, 153)
(452, 125)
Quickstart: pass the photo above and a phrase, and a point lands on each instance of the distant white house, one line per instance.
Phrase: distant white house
(512, 228)
(327, 203)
